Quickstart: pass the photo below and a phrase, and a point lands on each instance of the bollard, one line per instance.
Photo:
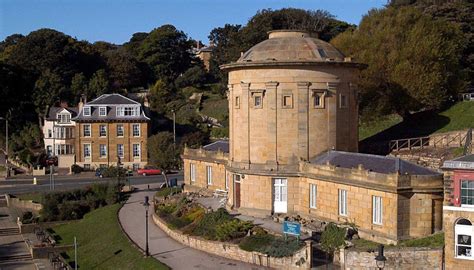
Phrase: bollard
(34, 181)
(148, 187)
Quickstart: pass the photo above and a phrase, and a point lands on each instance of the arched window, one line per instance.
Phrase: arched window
(463, 231)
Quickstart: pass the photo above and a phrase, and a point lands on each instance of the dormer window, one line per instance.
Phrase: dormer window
(128, 111)
(102, 111)
(64, 118)
(86, 111)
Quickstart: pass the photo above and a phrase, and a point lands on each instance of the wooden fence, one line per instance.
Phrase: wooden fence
(443, 140)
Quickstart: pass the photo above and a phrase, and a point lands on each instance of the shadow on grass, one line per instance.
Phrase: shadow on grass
(416, 125)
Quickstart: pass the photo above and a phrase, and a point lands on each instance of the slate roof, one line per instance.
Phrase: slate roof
(464, 163)
(112, 99)
(466, 158)
(222, 145)
(375, 163)
(53, 111)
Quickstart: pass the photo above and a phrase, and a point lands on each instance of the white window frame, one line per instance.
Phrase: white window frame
(100, 130)
(209, 175)
(377, 210)
(64, 118)
(342, 202)
(313, 196)
(120, 150)
(226, 181)
(87, 153)
(102, 147)
(466, 230)
(133, 130)
(88, 129)
(192, 172)
(102, 111)
(461, 193)
(260, 98)
(121, 128)
(86, 111)
(136, 154)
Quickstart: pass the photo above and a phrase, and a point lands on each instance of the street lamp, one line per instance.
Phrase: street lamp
(174, 126)
(380, 258)
(146, 204)
(6, 145)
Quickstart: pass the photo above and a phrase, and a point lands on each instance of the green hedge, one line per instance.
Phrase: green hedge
(274, 246)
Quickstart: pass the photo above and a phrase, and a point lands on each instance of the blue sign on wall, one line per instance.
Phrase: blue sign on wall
(293, 228)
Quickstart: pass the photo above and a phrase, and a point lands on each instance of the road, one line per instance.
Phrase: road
(25, 185)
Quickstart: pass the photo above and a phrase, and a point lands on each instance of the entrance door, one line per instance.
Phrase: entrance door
(280, 195)
(236, 190)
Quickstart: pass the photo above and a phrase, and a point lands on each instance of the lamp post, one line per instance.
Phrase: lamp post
(380, 258)
(146, 204)
(174, 125)
(6, 145)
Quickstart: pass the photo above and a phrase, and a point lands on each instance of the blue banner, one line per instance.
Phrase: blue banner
(293, 228)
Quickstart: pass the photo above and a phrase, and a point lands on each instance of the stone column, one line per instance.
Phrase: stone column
(230, 101)
(332, 107)
(245, 120)
(303, 119)
(272, 121)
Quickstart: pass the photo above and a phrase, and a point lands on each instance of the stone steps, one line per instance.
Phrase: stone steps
(9, 231)
(16, 258)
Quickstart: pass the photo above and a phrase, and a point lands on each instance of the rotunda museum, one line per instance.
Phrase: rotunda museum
(293, 143)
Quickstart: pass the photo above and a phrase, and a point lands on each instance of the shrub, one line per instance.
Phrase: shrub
(75, 169)
(232, 229)
(206, 227)
(168, 191)
(332, 238)
(257, 242)
(281, 247)
(271, 245)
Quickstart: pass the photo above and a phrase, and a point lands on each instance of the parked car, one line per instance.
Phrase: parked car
(149, 171)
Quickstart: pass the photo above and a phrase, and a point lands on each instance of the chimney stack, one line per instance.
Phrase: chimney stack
(82, 101)
(198, 44)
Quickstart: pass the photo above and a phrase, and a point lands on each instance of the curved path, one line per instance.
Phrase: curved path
(162, 247)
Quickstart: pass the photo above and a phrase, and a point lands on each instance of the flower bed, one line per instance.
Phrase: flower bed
(222, 234)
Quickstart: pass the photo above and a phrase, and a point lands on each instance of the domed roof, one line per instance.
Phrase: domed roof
(287, 45)
(290, 47)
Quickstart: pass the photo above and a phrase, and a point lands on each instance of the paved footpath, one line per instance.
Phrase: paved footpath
(161, 246)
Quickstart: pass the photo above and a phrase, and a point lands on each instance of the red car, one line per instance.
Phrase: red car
(149, 171)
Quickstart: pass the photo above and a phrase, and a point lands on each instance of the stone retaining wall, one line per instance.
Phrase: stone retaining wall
(403, 258)
(28, 205)
(300, 260)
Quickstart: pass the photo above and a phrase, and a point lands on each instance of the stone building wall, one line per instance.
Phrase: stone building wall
(313, 128)
(359, 208)
(404, 258)
(450, 217)
(111, 140)
(218, 174)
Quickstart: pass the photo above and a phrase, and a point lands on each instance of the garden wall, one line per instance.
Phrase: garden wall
(402, 258)
(28, 205)
(300, 260)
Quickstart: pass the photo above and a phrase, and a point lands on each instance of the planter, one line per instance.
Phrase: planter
(300, 260)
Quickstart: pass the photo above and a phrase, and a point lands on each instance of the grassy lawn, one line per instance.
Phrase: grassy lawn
(373, 127)
(215, 106)
(433, 241)
(102, 245)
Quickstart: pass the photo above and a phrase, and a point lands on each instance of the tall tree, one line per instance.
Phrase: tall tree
(163, 152)
(167, 51)
(98, 84)
(48, 89)
(413, 60)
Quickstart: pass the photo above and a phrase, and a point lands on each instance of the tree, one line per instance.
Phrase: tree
(167, 51)
(332, 238)
(159, 96)
(48, 89)
(162, 152)
(124, 71)
(79, 85)
(98, 84)
(195, 76)
(231, 40)
(413, 61)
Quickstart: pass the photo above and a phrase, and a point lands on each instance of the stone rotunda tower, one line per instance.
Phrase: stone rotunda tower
(291, 97)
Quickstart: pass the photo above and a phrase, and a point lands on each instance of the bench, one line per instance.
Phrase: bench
(220, 193)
